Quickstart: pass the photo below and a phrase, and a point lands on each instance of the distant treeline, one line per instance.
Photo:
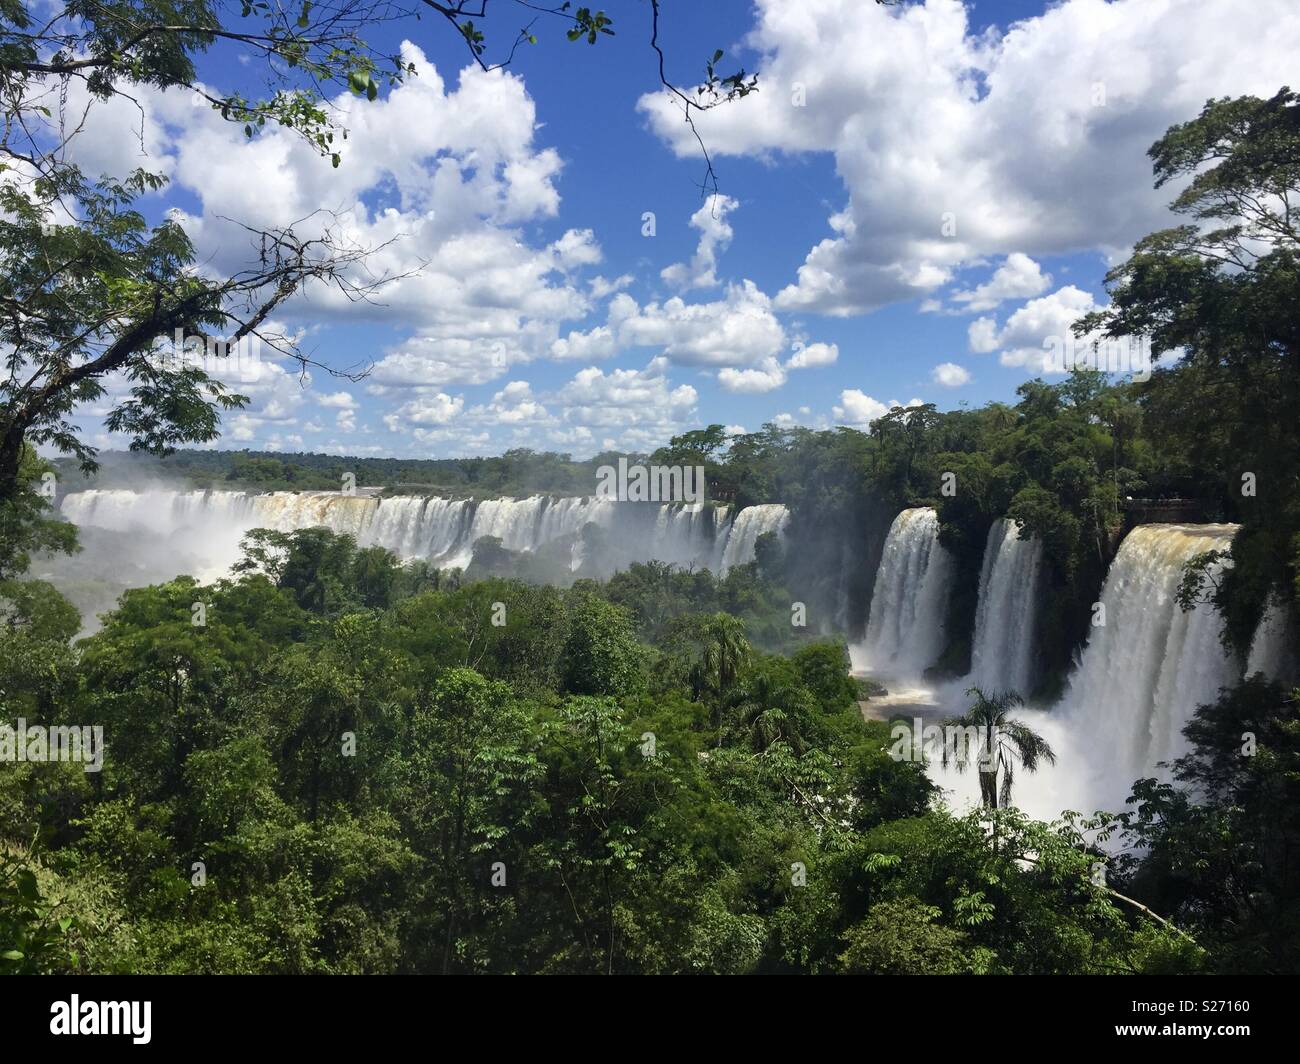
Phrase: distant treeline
(1071, 461)
(517, 472)
(731, 464)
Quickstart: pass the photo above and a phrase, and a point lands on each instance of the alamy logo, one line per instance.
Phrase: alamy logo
(654, 483)
(1127, 354)
(102, 1017)
(970, 744)
(63, 742)
(231, 359)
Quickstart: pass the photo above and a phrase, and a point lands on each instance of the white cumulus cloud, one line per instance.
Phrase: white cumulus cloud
(955, 146)
(950, 375)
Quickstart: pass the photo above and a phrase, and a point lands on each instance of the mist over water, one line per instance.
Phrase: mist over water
(1044, 794)
(905, 631)
(1270, 650)
(1138, 679)
(208, 525)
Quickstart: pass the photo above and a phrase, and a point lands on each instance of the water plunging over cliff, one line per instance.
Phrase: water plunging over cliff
(1144, 672)
(1002, 652)
(905, 632)
(443, 531)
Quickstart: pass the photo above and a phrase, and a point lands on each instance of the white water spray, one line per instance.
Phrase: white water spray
(1273, 648)
(1150, 665)
(905, 632)
(210, 524)
(1002, 652)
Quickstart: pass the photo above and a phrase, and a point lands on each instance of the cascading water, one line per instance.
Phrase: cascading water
(1002, 652)
(1139, 678)
(905, 631)
(199, 527)
(1151, 664)
(211, 523)
(842, 604)
(750, 523)
(418, 528)
(1273, 648)
(1141, 675)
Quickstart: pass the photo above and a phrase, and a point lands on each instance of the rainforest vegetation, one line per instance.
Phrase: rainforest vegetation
(349, 768)
(336, 762)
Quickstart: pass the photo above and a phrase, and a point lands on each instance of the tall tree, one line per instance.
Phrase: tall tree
(1221, 291)
(1002, 743)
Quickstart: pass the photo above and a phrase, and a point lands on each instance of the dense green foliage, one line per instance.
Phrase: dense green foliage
(1223, 846)
(92, 292)
(331, 762)
(333, 767)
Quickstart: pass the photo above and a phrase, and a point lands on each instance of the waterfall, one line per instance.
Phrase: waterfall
(1002, 653)
(210, 524)
(905, 630)
(287, 510)
(1151, 664)
(416, 528)
(842, 604)
(749, 524)
(164, 511)
(1273, 647)
(513, 521)
(198, 531)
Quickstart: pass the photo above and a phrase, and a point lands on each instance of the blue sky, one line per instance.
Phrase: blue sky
(915, 202)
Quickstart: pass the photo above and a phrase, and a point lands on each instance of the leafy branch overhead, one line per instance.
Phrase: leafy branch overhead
(583, 24)
(91, 289)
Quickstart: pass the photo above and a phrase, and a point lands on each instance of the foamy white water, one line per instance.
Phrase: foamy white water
(1006, 619)
(1044, 794)
(905, 631)
(443, 531)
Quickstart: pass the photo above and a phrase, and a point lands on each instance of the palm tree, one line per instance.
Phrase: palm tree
(1002, 743)
(767, 712)
(724, 653)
